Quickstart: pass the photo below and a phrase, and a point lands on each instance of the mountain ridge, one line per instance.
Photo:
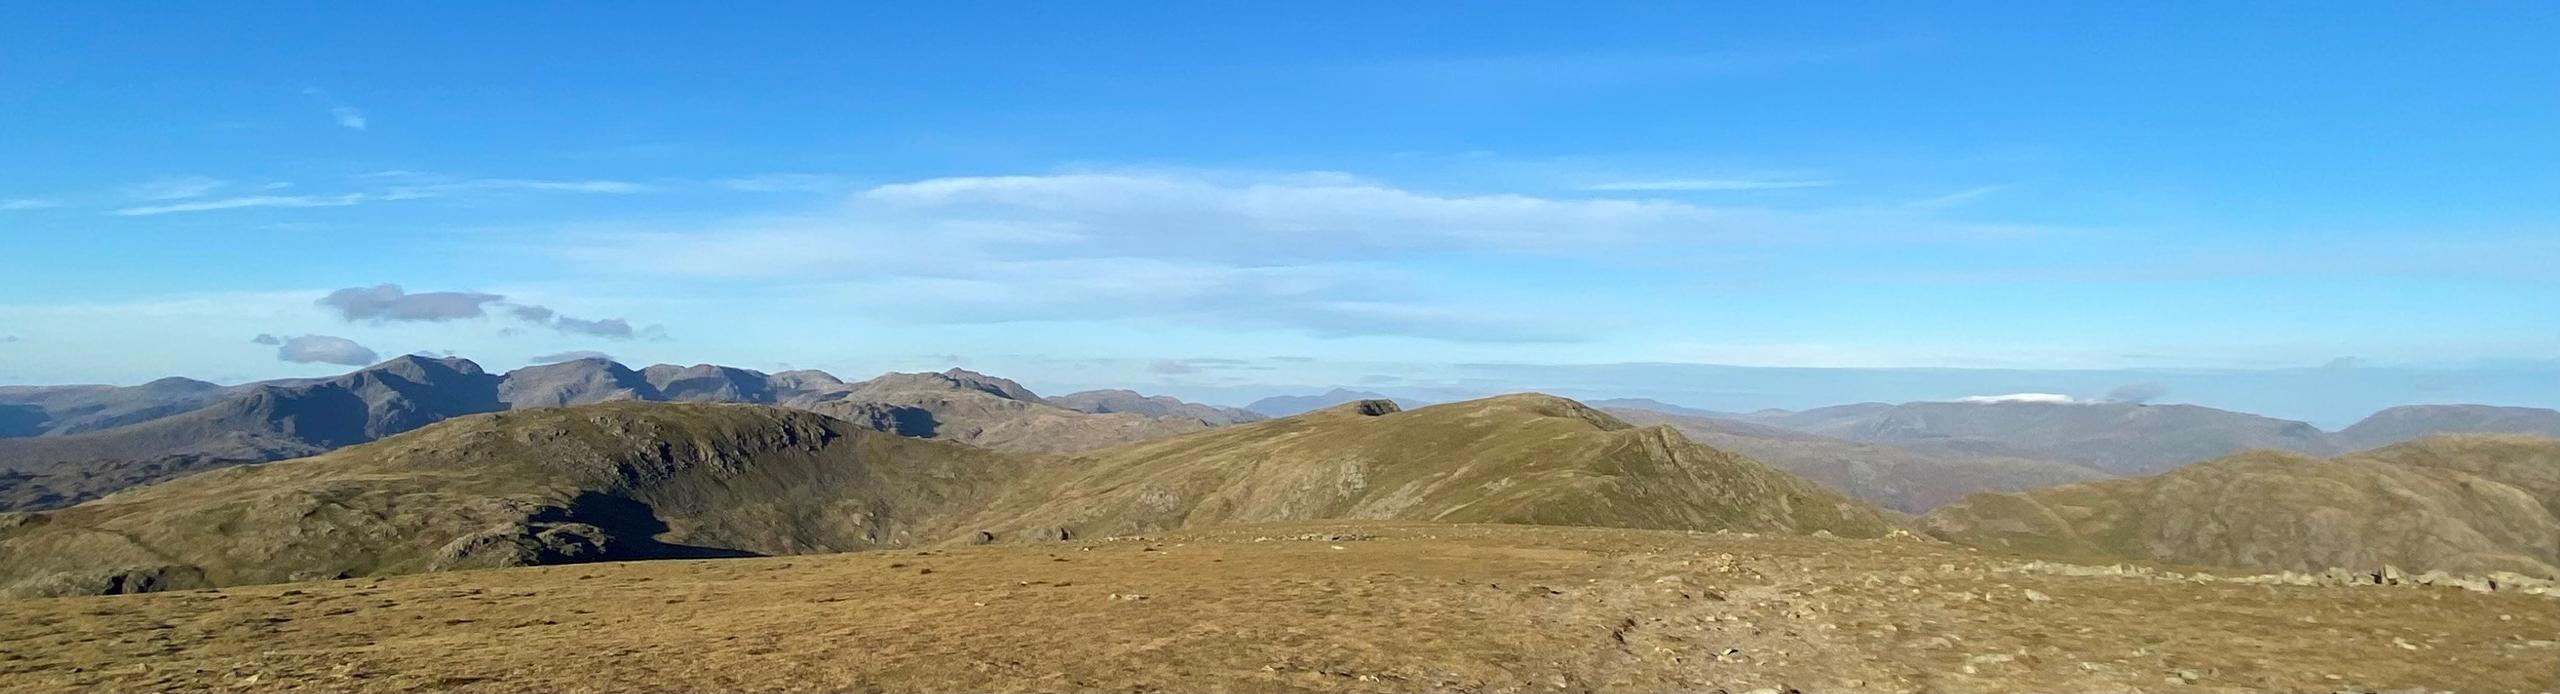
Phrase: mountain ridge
(284, 419)
(636, 480)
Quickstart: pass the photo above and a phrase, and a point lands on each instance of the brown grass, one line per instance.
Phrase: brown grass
(1360, 607)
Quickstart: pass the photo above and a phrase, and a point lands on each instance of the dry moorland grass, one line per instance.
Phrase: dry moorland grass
(1308, 607)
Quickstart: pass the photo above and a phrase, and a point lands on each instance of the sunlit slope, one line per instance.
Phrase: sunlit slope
(2464, 504)
(1512, 459)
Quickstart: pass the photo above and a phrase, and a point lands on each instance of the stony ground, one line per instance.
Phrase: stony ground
(1332, 607)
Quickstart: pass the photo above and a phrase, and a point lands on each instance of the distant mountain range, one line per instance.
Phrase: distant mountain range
(73, 443)
(1911, 479)
(2121, 438)
(2111, 437)
(630, 480)
(63, 444)
(420, 464)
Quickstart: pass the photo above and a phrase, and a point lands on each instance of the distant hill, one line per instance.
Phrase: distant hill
(2457, 503)
(2112, 437)
(627, 480)
(1525, 458)
(202, 426)
(1909, 479)
(1286, 405)
(59, 410)
(63, 444)
(575, 382)
(260, 423)
(2414, 421)
(982, 410)
(1652, 405)
(1111, 401)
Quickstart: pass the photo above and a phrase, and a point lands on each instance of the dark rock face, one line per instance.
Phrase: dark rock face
(1375, 408)
(120, 581)
(1286, 405)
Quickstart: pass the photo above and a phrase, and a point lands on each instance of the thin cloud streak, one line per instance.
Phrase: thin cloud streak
(1955, 199)
(420, 191)
(246, 202)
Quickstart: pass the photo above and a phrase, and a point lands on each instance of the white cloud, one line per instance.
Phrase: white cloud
(17, 204)
(346, 114)
(324, 349)
(1118, 214)
(1704, 184)
(1323, 253)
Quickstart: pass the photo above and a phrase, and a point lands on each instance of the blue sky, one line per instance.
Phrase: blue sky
(1126, 193)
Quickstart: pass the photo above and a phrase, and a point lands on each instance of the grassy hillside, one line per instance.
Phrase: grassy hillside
(2411, 422)
(631, 480)
(1511, 459)
(2464, 504)
(612, 481)
(287, 419)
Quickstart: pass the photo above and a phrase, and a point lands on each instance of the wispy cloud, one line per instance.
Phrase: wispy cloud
(1704, 184)
(246, 202)
(395, 187)
(572, 355)
(346, 114)
(179, 188)
(17, 204)
(1957, 198)
(1315, 252)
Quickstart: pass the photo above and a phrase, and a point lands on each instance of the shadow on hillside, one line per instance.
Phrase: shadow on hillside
(634, 529)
